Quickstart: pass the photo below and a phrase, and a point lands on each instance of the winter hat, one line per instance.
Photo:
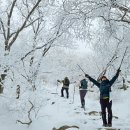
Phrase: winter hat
(103, 77)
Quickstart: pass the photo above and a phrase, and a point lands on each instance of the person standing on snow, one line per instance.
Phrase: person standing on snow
(104, 87)
(65, 87)
(83, 90)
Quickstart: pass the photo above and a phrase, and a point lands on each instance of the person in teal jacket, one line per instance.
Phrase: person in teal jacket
(105, 88)
(83, 90)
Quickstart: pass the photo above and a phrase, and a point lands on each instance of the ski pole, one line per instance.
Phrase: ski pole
(57, 86)
(81, 69)
(123, 57)
(73, 94)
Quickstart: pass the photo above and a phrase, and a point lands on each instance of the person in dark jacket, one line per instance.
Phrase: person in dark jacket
(83, 90)
(105, 87)
(65, 87)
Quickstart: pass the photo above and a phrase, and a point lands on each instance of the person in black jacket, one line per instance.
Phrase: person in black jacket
(105, 87)
(65, 87)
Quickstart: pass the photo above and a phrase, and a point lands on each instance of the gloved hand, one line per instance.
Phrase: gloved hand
(86, 75)
(80, 87)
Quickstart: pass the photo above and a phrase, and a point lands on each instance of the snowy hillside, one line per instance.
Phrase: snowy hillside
(50, 110)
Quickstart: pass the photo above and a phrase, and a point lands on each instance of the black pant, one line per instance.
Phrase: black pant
(82, 97)
(106, 104)
(67, 92)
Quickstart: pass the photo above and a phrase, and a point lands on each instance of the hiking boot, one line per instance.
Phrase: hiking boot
(105, 125)
(109, 125)
(62, 96)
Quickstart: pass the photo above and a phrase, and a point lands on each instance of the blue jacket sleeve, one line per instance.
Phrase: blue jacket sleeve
(94, 81)
(114, 78)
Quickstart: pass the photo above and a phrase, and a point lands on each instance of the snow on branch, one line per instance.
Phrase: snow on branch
(10, 37)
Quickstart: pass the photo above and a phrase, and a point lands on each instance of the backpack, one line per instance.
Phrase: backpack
(84, 84)
(66, 82)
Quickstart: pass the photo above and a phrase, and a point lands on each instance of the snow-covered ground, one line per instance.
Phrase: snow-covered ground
(51, 110)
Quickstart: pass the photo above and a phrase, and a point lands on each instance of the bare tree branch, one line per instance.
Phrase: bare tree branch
(29, 116)
(13, 37)
(37, 48)
(9, 18)
(116, 20)
(3, 29)
(24, 24)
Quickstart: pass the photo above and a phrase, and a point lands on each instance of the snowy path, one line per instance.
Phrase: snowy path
(57, 111)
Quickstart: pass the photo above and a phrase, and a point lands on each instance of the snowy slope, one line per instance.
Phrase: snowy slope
(51, 110)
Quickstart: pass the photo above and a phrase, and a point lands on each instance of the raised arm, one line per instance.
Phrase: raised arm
(60, 81)
(93, 80)
(115, 77)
